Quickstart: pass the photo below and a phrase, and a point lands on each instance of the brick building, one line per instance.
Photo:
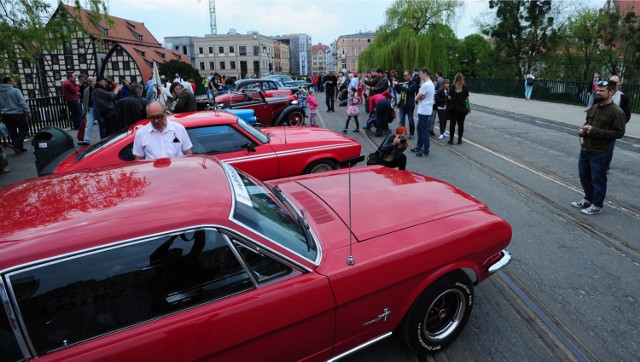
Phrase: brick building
(348, 48)
(319, 58)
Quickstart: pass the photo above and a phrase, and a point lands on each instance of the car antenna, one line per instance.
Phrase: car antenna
(350, 260)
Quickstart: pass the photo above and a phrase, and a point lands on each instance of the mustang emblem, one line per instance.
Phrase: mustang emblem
(384, 316)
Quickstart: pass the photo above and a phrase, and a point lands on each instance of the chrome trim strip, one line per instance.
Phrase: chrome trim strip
(14, 321)
(281, 154)
(240, 259)
(506, 259)
(362, 346)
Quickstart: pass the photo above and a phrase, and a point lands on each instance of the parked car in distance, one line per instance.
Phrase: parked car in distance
(264, 153)
(288, 81)
(272, 111)
(188, 259)
(269, 87)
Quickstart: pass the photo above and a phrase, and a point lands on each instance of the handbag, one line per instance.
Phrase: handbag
(353, 110)
(373, 158)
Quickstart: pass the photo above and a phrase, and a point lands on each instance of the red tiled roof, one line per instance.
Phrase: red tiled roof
(134, 38)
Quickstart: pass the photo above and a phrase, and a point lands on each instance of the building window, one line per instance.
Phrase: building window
(210, 50)
(80, 42)
(231, 49)
(201, 65)
(220, 50)
(66, 47)
(243, 50)
(212, 65)
(222, 66)
(232, 64)
(26, 63)
(28, 78)
(126, 66)
(200, 50)
(115, 66)
(56, 75)
(82, 58)
(184, 50)
(256, 50)
(68, 60)
(119, 52)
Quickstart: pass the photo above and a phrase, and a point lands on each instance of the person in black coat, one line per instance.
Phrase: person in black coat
(407, 100)
(131, 109)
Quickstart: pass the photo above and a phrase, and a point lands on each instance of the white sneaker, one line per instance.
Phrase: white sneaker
(446, 134)
(441, 136)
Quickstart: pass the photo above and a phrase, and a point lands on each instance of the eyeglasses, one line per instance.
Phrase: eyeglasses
(153, 117)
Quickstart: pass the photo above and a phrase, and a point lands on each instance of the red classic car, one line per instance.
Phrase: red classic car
(264, 153)
(273, 111)
(270, 88)
(188, 259)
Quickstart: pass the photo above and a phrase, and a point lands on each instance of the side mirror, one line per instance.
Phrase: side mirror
(250, 147)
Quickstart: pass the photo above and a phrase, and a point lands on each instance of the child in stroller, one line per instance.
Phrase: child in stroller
(381, 115)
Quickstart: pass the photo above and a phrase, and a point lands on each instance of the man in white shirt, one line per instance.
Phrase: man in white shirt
(161, 137)
(424, 101)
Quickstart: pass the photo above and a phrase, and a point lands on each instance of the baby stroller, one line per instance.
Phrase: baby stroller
(380, 130)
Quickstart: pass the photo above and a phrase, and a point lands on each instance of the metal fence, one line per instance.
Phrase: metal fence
(45, 112)
(547, 90)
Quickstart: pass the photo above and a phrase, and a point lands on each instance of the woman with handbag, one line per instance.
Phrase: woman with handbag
(457, 107)
(352, 111)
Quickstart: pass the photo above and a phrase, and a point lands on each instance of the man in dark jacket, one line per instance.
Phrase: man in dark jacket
(605, 123)
(15, 113)
(186, 101)
(131, 109)
(407, 100)
(379, 83)
(104, 100)
(331, 85)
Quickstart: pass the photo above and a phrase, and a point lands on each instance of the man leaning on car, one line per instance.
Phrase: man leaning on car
(160, 138)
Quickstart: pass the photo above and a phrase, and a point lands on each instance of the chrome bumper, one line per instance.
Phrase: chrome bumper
(506, 259)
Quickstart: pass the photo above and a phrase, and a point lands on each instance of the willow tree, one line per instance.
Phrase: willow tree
(414, 35)
(28, 30)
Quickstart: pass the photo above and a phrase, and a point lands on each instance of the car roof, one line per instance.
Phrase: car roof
(63, 213)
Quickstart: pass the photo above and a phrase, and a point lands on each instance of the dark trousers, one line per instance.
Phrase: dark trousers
(330, 98)
(346, 125)
(400, 162)
(442, 118)
(592, 168)
(18, 128)
(75, 109)
(456, 118)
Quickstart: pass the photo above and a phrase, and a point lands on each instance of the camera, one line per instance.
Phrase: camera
(402, 139)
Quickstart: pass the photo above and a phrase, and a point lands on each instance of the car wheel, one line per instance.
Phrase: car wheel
(439, 314)
(320, 166)
(295, 118)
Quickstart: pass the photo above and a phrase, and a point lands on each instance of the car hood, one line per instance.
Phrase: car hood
(293, 135)
(383, 200)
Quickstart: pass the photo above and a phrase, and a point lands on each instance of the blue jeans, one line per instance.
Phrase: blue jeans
(409, 113)
(592, 168)
(527, 91)
(423, 132)
(88, 127)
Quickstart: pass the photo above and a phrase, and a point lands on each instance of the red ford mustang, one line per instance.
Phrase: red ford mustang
(188, 259)
(264, 153)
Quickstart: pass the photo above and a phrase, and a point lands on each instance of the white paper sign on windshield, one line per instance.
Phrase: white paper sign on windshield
(239, 189)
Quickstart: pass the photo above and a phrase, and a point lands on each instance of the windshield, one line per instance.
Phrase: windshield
(103, 143)
(253, 131)
(260, 210)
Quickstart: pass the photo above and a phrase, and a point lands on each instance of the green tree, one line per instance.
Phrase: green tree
(476, 57)
(414, 34)
(620, 40)
(27, 29)
(524, 33)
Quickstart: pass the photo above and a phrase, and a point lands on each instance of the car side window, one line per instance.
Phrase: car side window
(212, 140)
(263, 267)
(126, 153)
(9, 349)
(84, 296)
(266, 86)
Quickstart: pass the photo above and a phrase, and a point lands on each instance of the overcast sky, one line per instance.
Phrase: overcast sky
(323, 20)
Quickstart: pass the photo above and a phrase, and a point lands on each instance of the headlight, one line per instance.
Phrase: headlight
(294, 102)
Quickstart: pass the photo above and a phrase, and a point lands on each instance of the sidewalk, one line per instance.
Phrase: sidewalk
(555, 112)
